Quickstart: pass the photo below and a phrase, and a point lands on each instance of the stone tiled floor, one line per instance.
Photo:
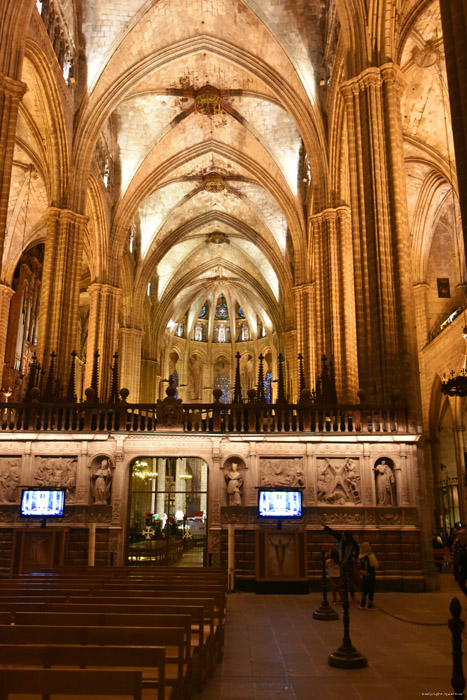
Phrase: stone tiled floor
(274, 649)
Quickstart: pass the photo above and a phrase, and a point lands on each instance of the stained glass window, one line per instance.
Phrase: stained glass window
(240, 312)
(223, 383)
(202, 313)
(175, 378)
(222, 311)
(268, 387)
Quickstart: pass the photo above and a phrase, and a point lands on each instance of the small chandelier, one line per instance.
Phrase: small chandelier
(141, 471)
(186, 476)
(456, 385)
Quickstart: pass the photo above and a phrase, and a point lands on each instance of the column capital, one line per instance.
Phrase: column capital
(12, 88)
(304, 287)
(65, 215)
(131, 332)
(422, 286)
(373, 76)
(96, 288)
(6, 291)
(331, 214)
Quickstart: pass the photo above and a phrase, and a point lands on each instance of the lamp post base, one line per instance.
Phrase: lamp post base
(325, 612)
(347, 657)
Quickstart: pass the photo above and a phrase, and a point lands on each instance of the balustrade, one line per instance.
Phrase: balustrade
(202, 418)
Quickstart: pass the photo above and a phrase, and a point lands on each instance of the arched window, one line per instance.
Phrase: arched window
(268, 387)
(222, 312)
(175, 378)
(223, 383)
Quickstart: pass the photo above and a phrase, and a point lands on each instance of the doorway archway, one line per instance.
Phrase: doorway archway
(168, 511)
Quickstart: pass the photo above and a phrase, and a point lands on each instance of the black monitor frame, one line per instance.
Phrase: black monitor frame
(296, 489)
(41, 516)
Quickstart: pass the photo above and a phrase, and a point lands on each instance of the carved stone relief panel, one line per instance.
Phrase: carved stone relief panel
(10, 476)
(57, 472)
(281, 472)
(338, 481)
(343, 518)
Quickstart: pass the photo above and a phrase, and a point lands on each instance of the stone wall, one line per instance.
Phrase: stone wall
(373, 488)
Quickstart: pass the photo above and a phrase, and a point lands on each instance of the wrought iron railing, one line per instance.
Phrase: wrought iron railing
(202, 418)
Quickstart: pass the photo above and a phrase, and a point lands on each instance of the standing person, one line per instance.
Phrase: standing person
(334, 573)
(348, 558)
(460, 560)
(368, 566)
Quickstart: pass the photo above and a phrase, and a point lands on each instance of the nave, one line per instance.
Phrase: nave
(275, 650)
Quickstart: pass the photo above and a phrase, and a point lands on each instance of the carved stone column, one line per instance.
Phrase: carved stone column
(149, 369)
(381, 247)
(160, 503)
(308, 336)
(291, 365)
(129, 350)
(11, 92)
(180, 484)
(5, 297)
(102, 335)
(59, 308)
(421, 290)
(335, 302)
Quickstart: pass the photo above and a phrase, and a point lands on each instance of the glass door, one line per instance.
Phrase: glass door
(168, 513)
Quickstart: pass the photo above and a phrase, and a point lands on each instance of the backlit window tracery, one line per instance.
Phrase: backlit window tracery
(222, 312)
(223, 383)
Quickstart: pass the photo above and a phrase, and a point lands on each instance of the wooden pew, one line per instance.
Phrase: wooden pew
(74, 682)
(152, 659)
(173, 639)
(120, 619)
(202, 620)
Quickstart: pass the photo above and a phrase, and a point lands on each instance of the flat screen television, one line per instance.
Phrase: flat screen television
(279, 503)
(42, 503)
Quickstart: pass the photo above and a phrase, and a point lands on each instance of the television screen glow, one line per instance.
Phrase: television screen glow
(43, 502)
(280, 504)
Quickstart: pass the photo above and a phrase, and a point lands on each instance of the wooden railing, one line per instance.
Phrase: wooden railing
(202, 418)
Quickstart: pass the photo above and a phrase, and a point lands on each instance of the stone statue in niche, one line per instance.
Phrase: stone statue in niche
(101, 482)
(57, 472)
(234, 485)
(281, 472)
(9, 480)
(339, 482)
(385, 483)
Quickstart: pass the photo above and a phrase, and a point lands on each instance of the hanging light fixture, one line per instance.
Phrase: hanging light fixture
(456, 385)
(141, 471)
(186, 476)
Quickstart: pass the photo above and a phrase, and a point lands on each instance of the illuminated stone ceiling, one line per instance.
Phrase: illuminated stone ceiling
(143, 65)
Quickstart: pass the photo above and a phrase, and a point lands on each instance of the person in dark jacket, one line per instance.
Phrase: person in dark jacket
(348, 557)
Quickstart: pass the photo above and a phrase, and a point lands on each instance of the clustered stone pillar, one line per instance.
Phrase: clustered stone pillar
(306, 336)
(291, 365)
(11, 92)
(335, 309)
(129, 350)
(102, 336)
(149, 368)
(60, 287)
(380, 233)
(160, 502)
(5, 297)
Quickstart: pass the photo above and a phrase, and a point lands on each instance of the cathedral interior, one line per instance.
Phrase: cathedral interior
(232, 258)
